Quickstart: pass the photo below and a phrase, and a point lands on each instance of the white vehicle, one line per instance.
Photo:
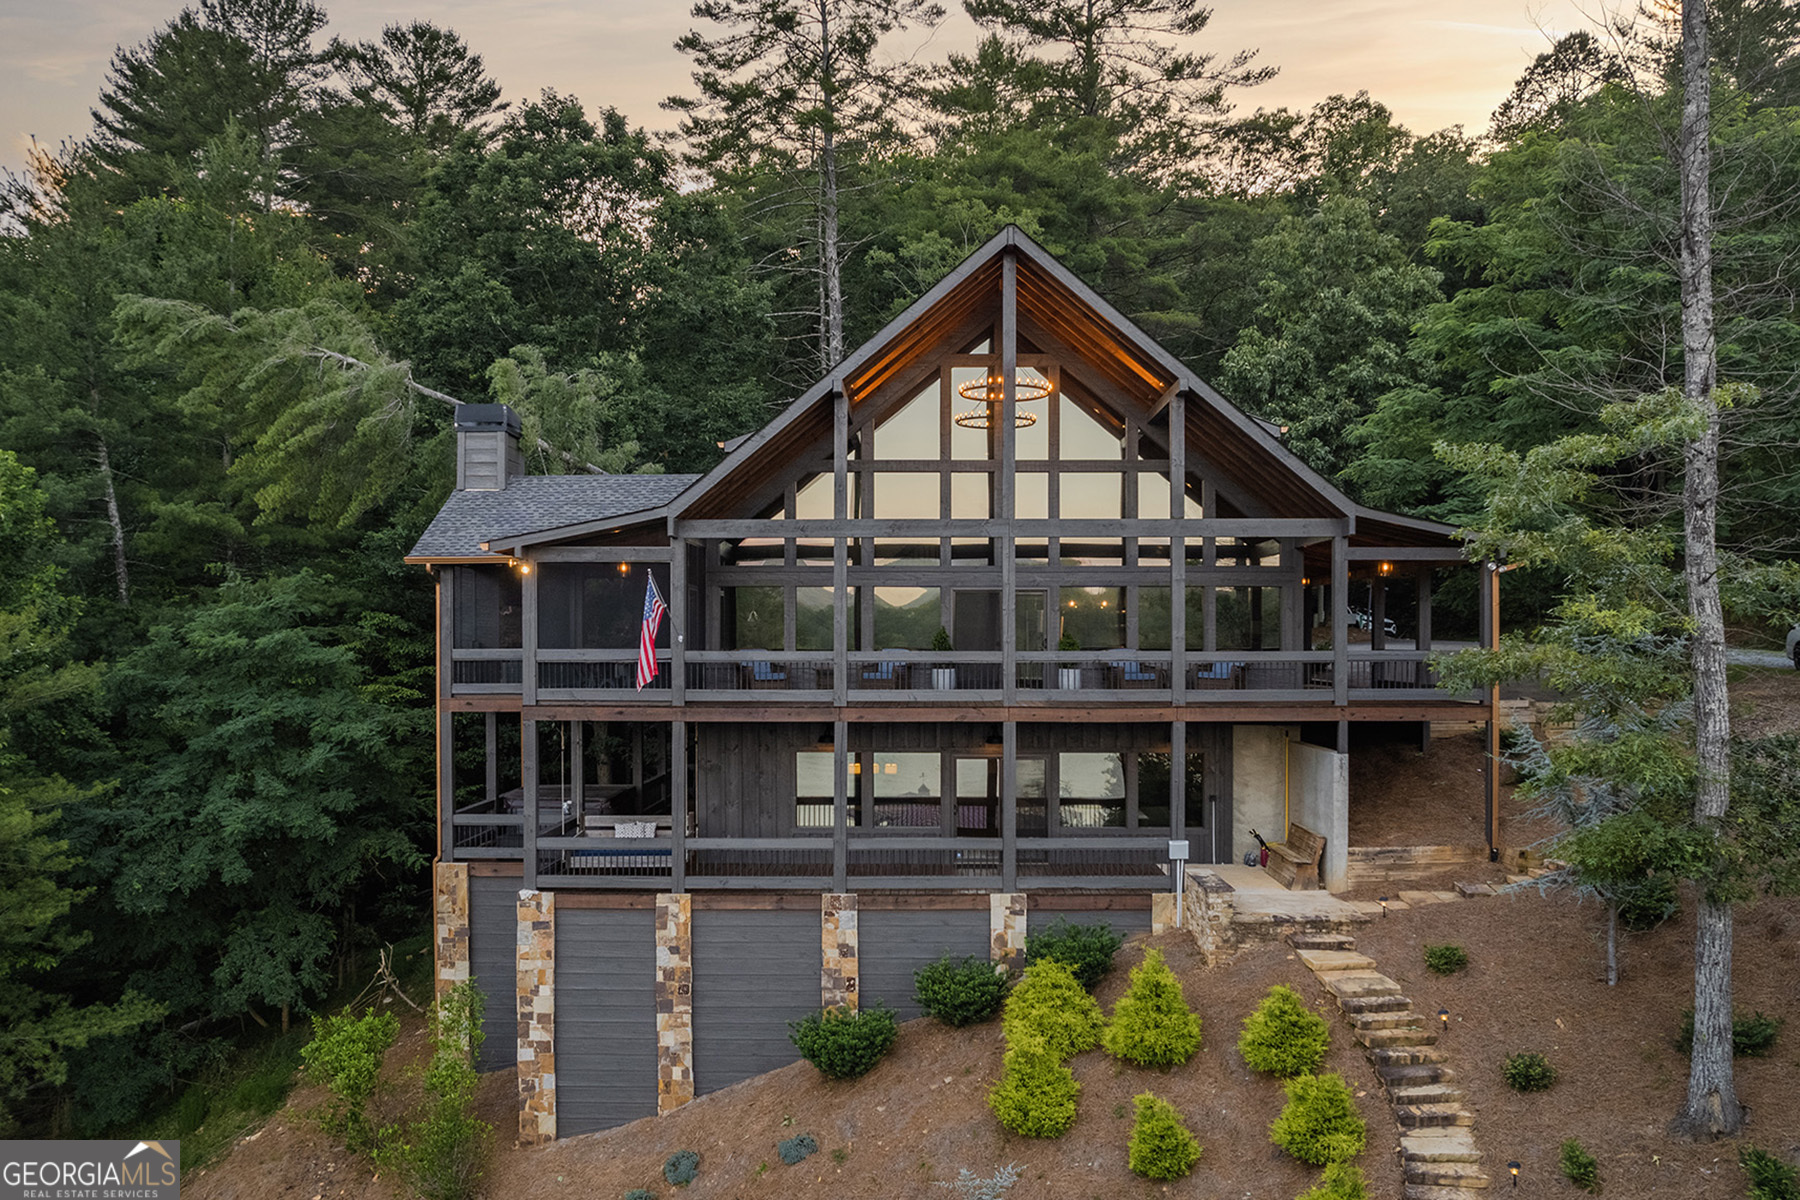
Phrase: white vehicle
(1793, 646)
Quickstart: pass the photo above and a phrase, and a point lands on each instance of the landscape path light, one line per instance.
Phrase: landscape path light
(1444, 1020)
(1513, 1168)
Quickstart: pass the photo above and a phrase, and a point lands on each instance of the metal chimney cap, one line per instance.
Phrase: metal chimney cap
(473, 417)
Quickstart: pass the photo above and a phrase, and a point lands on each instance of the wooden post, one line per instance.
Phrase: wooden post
(493, 758)
(528, 641)
(1178, 781)
(446, 723)
(1009, 807)
(677, 600)
(678, 806)
(840, 551)
(528, 773)
(1490, 594)
(1340, 620)
(840, 806)
(1178, 631)
(1005, 489)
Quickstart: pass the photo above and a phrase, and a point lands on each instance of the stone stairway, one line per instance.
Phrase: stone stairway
(1437, 1139)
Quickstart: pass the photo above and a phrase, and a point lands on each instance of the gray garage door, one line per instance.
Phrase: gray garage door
(605, 1018)
(493, 960)
(892, 945)
(753, 973)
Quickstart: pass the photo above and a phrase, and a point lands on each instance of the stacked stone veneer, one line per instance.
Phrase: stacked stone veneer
(1162, 909)
(675, 1001)
(537, 1017)
(1210, 907)
(450, 906)
(1006, 928)
(837, 950)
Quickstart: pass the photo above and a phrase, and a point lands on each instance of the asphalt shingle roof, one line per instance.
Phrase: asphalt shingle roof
(539, 502)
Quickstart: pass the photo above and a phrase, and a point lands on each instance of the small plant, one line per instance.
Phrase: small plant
(1087, 950)
(1050, 1006)
(1341, 1181)
(1161, 1146)
(345, 1055)
(960, 991)
(840, 1156)
(970, 1186)
(1648, 903)
(1579, 1167)
(841, 1043)
(682, 1167)
(940, 641)
(1036, 1093)
(1751, 1037)
(1283, 1037)
(640, 1194)
(798, 1148)
(440, 1151)
(1447, 959)
(1768, 1177)
(1320, 1123)
(1529, 1072)
(1151, 1024)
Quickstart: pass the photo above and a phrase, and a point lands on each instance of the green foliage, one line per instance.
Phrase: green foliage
(960, 992)
(1341, 1181)
(345, 1056)
(1768, 1177)
(1446, 959)
(1528, 1071)
(1161, 1146)
(640, 1194)
(1048, 1005)
(797, 1148)
(1751, 1036)
(682, 1167)
(441, 1150)
(1036, 1093)
(1151, 1024)
(1087, 949)
(1579, 1167)
(1320, 1123)
(940, 641)
(1649, 903)
(844, 1044)
(1283, 1037)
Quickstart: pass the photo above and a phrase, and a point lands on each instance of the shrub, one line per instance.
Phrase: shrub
(1648, 903)
(1751, 1037)
(1049, 1005)
(798, 1148)
(1579, 1167)
(1151, 1024)
(1529, 1072)
(971, 1186)
(1769, 1178)
(345, 1055)
(1161, 1146)
(640, 1194)
(841, 1043)
(682, 1167)
(1036, 1093)
(1320, 1123)
(441, 1149)
(1446, 959)
(960, 991)
(1086, 950)
(1341, 1181)
(1283, 1037)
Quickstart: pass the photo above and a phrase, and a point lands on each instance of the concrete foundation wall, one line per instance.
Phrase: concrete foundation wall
(1277, 778)
(1258, 770)
(1319, 798)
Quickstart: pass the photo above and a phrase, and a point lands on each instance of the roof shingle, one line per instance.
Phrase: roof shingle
(538, 502)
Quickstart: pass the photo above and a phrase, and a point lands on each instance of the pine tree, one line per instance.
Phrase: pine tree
(1161, 1146)
(1152, 1024)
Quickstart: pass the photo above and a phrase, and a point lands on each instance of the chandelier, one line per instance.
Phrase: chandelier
(990, 393)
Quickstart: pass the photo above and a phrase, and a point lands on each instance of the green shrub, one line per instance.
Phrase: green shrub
(1320, 1123)
(1751, 1037)
(1087, 950)
(1341, 1181)
(1648, 903)
(1036, 1093)
(1579, 1167)
(1447, 959)
(960, 991)
(1151, 1024)
(798, 1148)
(640, 1194)
(841, 1043)
(1048, 1004)
(1161, 1146)
(440, 1151)
(682, 1167)
(1529, 1072)
(1769, 1178)
(345, 1055)
(1283, 1037)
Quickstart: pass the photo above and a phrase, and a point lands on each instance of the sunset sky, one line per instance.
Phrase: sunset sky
(1433, 62)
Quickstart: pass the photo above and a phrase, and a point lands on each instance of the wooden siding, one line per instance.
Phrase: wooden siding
(605, 1018)
(892, 944)
(753, 973)
(493, 960)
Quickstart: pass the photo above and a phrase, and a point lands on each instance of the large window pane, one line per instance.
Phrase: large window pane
(906, 788)
(813, 614)
(913, 431)
(1249, 618)
(1153, 497)
(755, 617)
(1092, 790)
(1153, 790)
(1083, 436)
(906, 497)
(595, 606)
(1155, 631)
(906, 617)
(1033, 820)
(1094, 616)
(1031, 496)
(815, 499)
(813, 795)
(1089, 496)
(969, 497)
(487, 608)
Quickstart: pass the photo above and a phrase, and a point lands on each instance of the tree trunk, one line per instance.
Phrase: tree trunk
(121, 573)
(1712, 1107)
(832, 347)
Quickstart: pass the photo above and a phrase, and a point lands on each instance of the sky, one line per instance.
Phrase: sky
(1432, 62)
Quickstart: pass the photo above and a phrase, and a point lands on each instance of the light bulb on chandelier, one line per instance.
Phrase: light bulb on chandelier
(990, 392)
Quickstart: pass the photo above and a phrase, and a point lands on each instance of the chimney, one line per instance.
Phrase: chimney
(487, 447)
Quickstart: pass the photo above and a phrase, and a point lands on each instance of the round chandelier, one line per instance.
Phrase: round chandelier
(990, 392)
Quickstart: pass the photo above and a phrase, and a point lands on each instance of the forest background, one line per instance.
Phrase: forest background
(237, 317)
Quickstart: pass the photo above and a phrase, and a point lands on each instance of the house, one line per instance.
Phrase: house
(1148, 605)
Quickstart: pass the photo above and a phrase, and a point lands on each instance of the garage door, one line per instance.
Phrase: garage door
(753, 973)
(605, 1018)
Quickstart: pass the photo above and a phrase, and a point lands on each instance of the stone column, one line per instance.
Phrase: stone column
(450, 906)
(1162, 908)
(536, 996)
(838, 950)
(1006, 929)
(674, 1001)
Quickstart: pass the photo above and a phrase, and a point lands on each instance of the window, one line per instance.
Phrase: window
(1153, 790)
(755, 616)
(596, 606)
(488, 604)
(906, 618)
(1094, 616)
(813, 794)
(906, 788)
(1091, 788)
(1248, 618)
(911, 433)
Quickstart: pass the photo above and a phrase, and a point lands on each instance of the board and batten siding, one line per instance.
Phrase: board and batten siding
(895, 943)
(605, 1018)
(753, 973)
(493, 960)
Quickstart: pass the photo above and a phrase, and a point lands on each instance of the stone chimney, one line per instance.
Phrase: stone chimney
(487, 447)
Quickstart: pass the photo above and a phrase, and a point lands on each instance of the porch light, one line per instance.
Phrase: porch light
(1384, 569)
(990, 392)
(624, 568)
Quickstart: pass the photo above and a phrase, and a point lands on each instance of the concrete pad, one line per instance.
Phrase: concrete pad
(1322, 962)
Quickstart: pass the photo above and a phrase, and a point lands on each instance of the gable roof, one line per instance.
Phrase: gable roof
(471, 519)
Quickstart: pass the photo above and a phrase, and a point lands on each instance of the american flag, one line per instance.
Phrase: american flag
(653, 615)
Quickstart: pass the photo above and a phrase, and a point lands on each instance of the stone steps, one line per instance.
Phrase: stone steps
(1374, 1004)
(1426, 1093)
(1322, 962)
(1446, 1175)
(1425, 1192)
(1357, 984)
(1384, 1038)
(1397, 1019)
(1439, 1145)
(1321, 941)
(1406, 1056)
(1414, 1075)
(1429, 1116)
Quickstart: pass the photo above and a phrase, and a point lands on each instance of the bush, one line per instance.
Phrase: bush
(682, 1167)
(1769, 1178)
(1049, 1005)
(1649, 903)
(1161, 1146)
(440, 1151)
(841, 1043)
(1446, 959)
(640, 1194)
(345, 1055)
(1529, 1072)
(1036, 1093)
(1086, 950)
(1283, 1037)
(1151, 1024)
(1579, 1167)
(960, 991)
(1320, 1123)
(1342, 1181)
(1751, 1037)
(798, 1148)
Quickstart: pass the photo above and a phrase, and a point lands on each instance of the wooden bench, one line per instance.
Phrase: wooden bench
(1295, 861)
